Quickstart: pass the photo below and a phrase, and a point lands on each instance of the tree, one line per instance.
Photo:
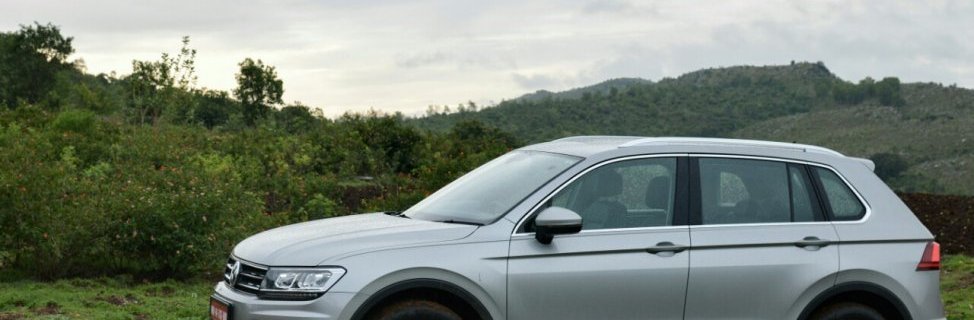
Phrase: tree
(889, 165)
(888, 92)
(213, 108)
(296, 118)
(257, 89)
(30, 59)
(155, 86)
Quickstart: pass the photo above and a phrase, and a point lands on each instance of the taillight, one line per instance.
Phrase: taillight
(931, 257)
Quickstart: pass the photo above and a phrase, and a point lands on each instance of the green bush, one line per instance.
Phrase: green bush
(149, 176)
(142, 213)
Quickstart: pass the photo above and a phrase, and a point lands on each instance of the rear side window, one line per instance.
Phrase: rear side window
(734, 191)
(842, 202)
(803, 206)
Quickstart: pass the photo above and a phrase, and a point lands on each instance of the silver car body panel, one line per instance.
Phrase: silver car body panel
(603, 274)
(757, 272)
(730, 271)
(314, 242)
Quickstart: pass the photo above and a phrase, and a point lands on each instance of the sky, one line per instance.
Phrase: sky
(403, 56)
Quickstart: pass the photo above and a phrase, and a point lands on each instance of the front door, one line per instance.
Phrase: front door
(629, 261)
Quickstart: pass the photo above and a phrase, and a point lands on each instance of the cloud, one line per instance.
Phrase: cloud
(535, 81)
(619, 7)
(393, 55)
(423, 59)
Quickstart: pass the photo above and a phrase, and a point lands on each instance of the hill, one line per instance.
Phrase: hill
(921, 132)
(605, 87)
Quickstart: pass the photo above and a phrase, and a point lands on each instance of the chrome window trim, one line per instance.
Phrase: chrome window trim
(862, 200)
(820, 165)
(761, 224)
(597, 232)
(535, 207)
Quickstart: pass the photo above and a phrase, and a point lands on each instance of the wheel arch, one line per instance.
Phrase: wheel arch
(406, 288)
(870, 294)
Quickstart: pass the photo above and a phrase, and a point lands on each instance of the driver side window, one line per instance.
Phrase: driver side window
(624, 194)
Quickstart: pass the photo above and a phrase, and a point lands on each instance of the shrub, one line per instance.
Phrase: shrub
(179, 218)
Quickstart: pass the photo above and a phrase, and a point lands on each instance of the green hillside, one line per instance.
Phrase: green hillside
(604, 87)
(921, 133)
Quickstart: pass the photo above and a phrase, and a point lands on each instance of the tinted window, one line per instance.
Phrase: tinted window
(754, 191)
(625, 194)
(804, 208)
(842, 202)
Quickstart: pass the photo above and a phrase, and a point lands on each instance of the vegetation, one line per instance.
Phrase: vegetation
(148, 175)
(956, 280)
(104, 298)
(257, 89)
(30, 60)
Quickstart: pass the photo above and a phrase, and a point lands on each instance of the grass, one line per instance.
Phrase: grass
(957, 286)
(104, 298)
(109, 298)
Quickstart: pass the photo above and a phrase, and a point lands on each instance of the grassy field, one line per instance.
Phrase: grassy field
(957, 286)
(106, 298)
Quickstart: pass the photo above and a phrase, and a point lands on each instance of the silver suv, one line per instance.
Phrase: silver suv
(610, 228)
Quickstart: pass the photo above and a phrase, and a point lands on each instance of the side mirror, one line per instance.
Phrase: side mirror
(556, 220)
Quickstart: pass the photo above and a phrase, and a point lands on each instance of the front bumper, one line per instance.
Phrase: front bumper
(247, 306)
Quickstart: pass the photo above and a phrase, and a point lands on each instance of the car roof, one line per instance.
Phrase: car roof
(587, 146)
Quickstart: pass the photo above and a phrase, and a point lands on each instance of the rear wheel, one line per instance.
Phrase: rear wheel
(847, 311)
(414, 309)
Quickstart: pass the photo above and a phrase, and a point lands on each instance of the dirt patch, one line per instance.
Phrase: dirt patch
(50, 308)
(949, 218)
(83, 283)
(141, 316)
(164, 291)
(118, 300)
(11, 316)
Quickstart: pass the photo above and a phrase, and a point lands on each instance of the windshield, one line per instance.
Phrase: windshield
(483, 195)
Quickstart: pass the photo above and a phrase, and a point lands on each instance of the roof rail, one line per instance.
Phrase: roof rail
(731, 142)
(594, 138)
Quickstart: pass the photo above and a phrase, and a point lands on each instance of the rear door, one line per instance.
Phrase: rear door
(628, 262)
(759, 239)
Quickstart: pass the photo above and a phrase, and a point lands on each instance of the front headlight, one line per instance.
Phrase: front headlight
(298, 283)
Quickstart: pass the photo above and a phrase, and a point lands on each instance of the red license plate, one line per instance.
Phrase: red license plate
(219, 310)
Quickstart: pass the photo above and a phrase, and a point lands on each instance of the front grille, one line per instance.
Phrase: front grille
(248, 279)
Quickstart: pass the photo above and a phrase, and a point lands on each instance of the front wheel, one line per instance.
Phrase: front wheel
(415, 310)
(847, 311)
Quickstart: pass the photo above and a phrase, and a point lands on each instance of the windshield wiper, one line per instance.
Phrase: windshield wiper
(461, 222)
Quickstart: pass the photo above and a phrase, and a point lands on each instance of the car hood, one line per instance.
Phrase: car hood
(313, 243)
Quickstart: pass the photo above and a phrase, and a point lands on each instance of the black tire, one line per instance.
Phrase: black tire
(414, 309)
(847, 311)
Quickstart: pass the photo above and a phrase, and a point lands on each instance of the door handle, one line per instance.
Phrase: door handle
(666, 246)
(812, 242)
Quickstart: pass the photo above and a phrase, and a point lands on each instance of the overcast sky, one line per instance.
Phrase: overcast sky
(403, 56)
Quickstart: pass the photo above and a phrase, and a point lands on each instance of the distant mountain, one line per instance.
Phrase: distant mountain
(712, 102)
(604, 87)
(928, 126)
